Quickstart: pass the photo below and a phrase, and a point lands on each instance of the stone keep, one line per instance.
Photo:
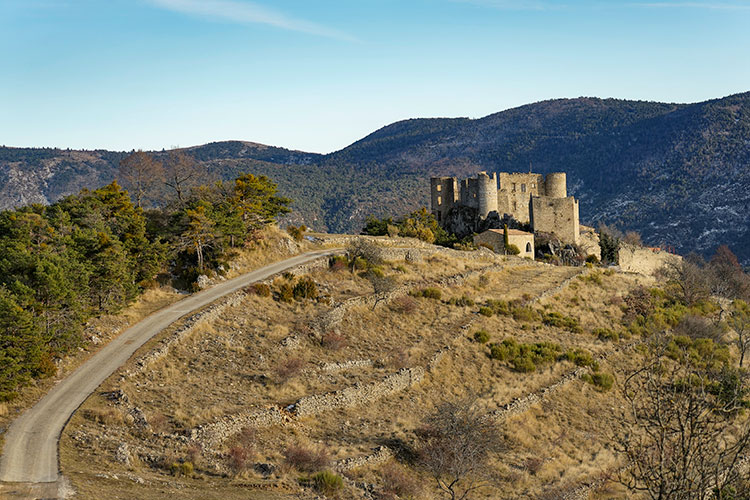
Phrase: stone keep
(534, 199)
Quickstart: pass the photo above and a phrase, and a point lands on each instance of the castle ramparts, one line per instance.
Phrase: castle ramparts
(529, 198)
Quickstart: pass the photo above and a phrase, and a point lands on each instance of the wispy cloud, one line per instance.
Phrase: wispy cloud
(249, 13)
(694, 5)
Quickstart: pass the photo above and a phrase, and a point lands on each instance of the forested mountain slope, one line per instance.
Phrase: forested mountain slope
(678, 173)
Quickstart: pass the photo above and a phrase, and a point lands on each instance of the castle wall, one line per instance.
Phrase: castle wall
(515, 192)
(556, 215)
(486, 194)
(494, 239)
(555, 185)
(443, 196)
(469, 193)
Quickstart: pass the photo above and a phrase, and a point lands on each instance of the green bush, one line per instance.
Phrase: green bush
(305, 289)
(602, 382)
(485, 311)
(181, 469)
(512, 249)
(558, 320)
(482, 337)
(581, 357)
(498, 352)
(605, 334)
(461, 301)
(432, 293)
(592, 259)
(499, 307)
(524, 314)
(523, 364)
(525, 357)
(360, 264)
(594, 278)
(327, 482)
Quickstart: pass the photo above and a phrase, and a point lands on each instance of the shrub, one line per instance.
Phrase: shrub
(581, 357)
(482, 337)
(461, 301)
(558, 320)
(432, 293)
(338, 262)
(593, 278)
(238, 458)
(533, 465)
(404, 304)
(512, 249)
(261, 289)
(523, 364)
(374, 272)
(327, 482)
(524, 314)
(498, 352)
(398, 483)
(500, 307)
(306, 459)
(360, 263)
(285, 293)
(402, 269)
(592, 259)
(605, 334)
(305, 289)
(333, 341)
(285, 370)
(485, 311)
(296, 232)
(181, 469)
(602, 382)
(525, 357)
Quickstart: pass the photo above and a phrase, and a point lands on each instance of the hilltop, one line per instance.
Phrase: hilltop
(677, 173)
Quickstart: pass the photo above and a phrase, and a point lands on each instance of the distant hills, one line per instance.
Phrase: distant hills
(677, 173)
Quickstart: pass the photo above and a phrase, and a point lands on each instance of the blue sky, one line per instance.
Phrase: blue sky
(318, 75)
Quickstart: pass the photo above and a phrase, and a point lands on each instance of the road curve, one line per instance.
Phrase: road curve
(30, 451)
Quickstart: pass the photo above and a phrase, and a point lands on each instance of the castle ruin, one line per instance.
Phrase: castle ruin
(481, 203)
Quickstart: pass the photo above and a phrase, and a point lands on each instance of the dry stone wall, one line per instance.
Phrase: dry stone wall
(643, 260)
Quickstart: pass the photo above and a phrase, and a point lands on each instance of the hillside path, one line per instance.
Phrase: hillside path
(30, 451)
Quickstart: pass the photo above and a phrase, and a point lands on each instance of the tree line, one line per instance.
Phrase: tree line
(94, 252)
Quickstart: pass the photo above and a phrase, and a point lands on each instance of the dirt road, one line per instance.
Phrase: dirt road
(30, 451)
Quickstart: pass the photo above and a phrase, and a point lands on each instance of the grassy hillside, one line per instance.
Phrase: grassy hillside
(254, 400)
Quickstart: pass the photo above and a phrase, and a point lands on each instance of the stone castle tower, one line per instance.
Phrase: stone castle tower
(530, 198)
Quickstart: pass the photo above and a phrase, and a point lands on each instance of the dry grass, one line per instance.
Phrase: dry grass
(233, 365)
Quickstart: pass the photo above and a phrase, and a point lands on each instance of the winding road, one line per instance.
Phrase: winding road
(30, 451)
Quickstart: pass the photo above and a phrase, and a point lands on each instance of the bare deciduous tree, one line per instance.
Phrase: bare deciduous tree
(690, 277)
(739, 321)
(140, 173)
(457, 441)
(181, 173)
(681, 432)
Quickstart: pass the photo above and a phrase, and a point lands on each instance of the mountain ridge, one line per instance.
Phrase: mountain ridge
(678, 173)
